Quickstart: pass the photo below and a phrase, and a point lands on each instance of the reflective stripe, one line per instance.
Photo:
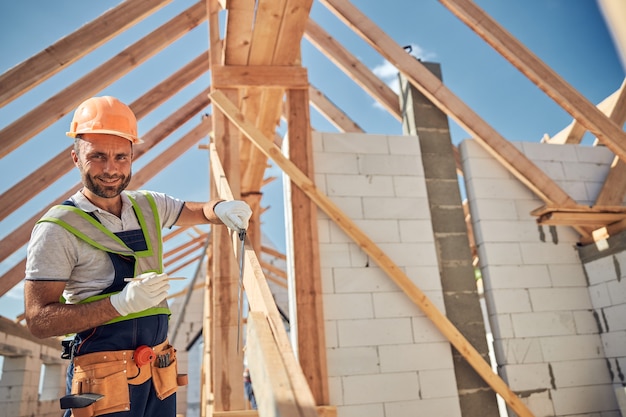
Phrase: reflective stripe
(88, 229)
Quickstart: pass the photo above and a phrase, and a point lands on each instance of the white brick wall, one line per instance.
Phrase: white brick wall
(385, 358)
(544, 315)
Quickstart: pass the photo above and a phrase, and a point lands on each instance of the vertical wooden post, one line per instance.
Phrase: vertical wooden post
(221, 345)
(308, 286)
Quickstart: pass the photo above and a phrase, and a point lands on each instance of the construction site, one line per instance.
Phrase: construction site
(419, 277)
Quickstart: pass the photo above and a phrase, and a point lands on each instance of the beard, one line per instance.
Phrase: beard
(104, 191)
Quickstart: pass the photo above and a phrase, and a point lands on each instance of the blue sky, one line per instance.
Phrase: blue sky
(570, 36)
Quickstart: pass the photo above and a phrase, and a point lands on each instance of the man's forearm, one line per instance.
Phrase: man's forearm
(58, 319)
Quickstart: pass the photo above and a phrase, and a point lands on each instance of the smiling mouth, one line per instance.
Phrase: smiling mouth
(109, 181)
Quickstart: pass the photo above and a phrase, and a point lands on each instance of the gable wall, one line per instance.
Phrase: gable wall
(542, 307)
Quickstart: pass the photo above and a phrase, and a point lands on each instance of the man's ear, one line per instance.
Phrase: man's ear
(74, 157)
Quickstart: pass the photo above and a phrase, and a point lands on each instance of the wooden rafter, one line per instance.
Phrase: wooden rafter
(609, 133)
(61, 164)
(429, 85)
(331, 112)
(51, 110)
(43, 65)
(354, 68)
(614, 106)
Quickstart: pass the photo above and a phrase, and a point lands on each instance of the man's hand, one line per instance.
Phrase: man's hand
(234, 214)
(146, 291)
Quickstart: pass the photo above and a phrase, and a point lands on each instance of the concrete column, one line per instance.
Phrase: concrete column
(423, 119)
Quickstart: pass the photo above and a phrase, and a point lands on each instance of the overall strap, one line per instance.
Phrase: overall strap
(86, 227)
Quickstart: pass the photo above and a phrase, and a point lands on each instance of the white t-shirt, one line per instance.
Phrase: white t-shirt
(55, 254)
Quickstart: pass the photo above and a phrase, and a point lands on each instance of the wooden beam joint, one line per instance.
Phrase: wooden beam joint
(268, 76)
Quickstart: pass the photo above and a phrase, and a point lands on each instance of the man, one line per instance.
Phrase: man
(94, 269)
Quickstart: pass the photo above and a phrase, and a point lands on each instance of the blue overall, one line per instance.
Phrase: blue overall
(127, 335)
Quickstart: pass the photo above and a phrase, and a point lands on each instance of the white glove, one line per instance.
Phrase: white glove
(146, 291)
(234, 214)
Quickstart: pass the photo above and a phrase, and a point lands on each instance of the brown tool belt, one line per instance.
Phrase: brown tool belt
(109, 373)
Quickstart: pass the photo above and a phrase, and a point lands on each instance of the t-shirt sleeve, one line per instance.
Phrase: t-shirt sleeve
(51, 253)
(169, 208)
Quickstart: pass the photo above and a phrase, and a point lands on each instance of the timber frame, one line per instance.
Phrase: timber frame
(256, 80)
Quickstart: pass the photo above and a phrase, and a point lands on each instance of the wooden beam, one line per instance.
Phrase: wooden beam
(354, 68)
(375, 253)
(165, 128)
(306, 260)
(614, 187)
(614, 106)
(51, 110)
(286, 27)
(232, 76)
(260, 299)
(275, 270)
(607, 132)
(272, 383)
(61, 164)
(27, 75)
(185, 249)
(222, 358)
(429, 85)
(332, 113)
(557, 218)
(322, 411)
(273, 252)
(238, 31)
(579, 209)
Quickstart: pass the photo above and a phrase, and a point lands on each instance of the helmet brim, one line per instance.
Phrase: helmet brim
(133, 139)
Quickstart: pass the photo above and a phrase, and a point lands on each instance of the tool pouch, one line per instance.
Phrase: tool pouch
(84, 412)
(164, 372)
(107, 376)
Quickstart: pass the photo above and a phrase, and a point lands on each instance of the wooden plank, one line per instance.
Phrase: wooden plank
(277, 271)
(260, 299)
(51, 110)
(235, 76)
(322, 411)
(375, 253)
(164, 159)
(273, 252)
(332, 113)
(69, 49)
(272, 387)
(284, 38)
(609, 133)
(578, 209)
(193, 241)
(238, 31)
(613, 106)
(596, 220)
(207, 378)
(61, 164)
(354, 68)
(287, 50)
(306, 260)
(614, 187)
(268, 20)
(429, 85)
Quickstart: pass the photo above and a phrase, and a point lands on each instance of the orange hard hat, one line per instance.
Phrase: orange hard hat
(107, 115)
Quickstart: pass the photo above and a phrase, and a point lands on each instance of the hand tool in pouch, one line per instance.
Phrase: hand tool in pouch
(242, 237)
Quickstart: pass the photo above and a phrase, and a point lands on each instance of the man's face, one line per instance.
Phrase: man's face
(104, 162)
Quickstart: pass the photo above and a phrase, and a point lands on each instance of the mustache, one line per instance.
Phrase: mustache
(110, 177)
